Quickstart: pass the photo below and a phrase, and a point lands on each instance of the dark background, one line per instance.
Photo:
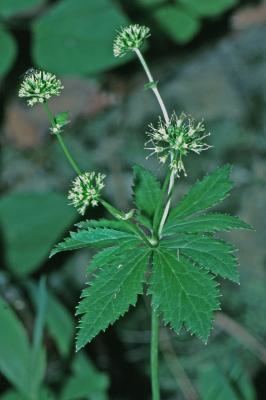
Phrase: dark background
(210, 64)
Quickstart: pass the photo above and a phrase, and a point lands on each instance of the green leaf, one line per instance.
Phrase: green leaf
(45, 394)
(62, 118)
(67, 38)
(107, 255)
(101, 259)
(12, 395)
(8, 51)
(14, 349)
(91, 237)
(58, 320)
(105, 223)
(38, 354)
(208, 223)
(10, 8)
(60, 324)
(31, 223)
(208, 8)
(151, 3)
(86, 381)
(206, 193)
(111, 293)
(146, 192)
(216, 384)
(213, 254)
(177, 23)
(183, 293)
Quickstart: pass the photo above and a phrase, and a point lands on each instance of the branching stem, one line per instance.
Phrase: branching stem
(61, 141)
(167, 121)
(155, 322)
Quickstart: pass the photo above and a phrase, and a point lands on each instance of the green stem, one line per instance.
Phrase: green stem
(167, 207)
(154, 356)
(61, 141)
(167, 121)
(67, 154)
(154, 87)
(120, 216)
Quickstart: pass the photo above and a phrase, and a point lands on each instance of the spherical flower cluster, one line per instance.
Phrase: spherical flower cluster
(130, 38)
(86, 191)
(39, 86)
(171, 142)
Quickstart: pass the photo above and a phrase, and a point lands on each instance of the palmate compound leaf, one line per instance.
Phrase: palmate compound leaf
(111, 292)
(207, 223)
(215, 255)
(92, 237)
(146, 193)
(105, 223)
(183, 293)
(107, 255)
(184, 231)
(206, 193)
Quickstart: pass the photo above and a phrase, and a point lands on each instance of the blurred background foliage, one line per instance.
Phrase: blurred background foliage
(209, 57)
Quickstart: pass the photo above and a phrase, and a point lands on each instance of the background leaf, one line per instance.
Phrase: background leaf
(86, 382)
(10, 8)
(67, 38)
(8, 51)
(59, 322)
(177, 23)
(216, 384)
(207, 8)
(14, 349)
(31, 223)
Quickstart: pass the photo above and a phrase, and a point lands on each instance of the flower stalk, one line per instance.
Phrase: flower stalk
(71, 160)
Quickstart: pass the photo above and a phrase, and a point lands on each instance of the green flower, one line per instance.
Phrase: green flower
(39, 86)
(171, 142)
(86, 191)
(130, 38)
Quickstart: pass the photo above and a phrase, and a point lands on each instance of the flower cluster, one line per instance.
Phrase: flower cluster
(130, 38)
(173, 141)
(39, 86)
(86, 191)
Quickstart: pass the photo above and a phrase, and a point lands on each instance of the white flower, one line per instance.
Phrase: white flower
(173, 141)
(39, 86)
(130, 38)
(86, 191)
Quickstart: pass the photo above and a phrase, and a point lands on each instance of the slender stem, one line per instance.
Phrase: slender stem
(154, 356)
(167, 207)
(68, 155)
(154, 89)
(61, 141)
(167, 120)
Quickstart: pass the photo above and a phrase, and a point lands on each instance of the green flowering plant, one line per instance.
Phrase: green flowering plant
(175, 243)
